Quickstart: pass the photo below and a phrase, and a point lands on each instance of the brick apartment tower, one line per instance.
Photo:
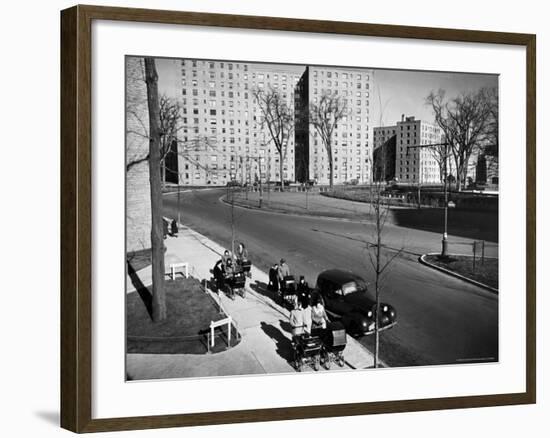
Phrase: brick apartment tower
(351, 141)
(218, 103)
(396, 151)
(138, 202)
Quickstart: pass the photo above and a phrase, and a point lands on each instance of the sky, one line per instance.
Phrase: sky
(394, 92)
(404, 92)
(169, 71)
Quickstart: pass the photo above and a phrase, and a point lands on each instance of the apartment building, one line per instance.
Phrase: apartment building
(384, 144)
(414, 164)
(138, 193)
(222, 139)
(351, 140)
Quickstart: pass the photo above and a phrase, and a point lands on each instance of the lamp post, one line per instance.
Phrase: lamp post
(258, 160)
(419, 178)
(444, 242)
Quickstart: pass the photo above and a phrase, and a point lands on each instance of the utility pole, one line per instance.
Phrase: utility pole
(260, 173)
(232, 226)
(258, 160)
(444, 243)
(268, 177)
(242, 170)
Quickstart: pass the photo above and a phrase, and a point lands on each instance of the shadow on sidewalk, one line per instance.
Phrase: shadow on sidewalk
(261, 288)
(283, 344)
(142, 290)
(285, 325)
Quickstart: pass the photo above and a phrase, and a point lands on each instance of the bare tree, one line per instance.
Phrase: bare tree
(324, 116)
(466, 123)
(170, 124)
(277, 116)
(491, 147)
(171, 142)
(379, 260)
(161, 130)
(187, 150)
(157, 238)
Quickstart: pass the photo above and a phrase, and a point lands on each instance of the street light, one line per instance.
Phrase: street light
(444, 242)
(258, 160)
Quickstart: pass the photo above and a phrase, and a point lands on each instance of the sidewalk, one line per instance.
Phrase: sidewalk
(266, 341)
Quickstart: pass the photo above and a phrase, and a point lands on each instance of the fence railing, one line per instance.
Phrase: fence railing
(476, 249)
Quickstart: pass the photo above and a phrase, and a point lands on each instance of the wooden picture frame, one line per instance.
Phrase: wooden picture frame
(76, 217)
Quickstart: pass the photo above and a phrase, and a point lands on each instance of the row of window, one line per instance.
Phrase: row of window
(232, 176)
(212, 64)
(343, 75)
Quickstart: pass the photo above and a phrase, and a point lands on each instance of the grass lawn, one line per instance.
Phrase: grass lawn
(486, 273)
(190, 311)
(479, 225)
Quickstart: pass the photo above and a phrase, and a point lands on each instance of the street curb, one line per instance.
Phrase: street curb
(188, 190)
(422, 260)
(270, 210)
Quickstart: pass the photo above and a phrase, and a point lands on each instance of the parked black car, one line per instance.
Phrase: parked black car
(346, 296)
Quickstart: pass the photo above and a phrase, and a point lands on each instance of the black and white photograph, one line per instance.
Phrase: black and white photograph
(286, 218)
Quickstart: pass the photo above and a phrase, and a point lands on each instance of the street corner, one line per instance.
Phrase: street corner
(464, 268)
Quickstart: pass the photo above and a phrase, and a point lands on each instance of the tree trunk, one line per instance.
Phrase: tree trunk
(281, 164)
(330, 166)
(163, 174)
(458, 177)
(157, 237)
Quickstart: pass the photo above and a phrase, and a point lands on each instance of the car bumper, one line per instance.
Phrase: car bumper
(381, 329)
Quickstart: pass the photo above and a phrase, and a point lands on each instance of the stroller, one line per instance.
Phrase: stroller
(334, 343)
(287, 291)
(307, 351)
(236, 281)
(245, 265)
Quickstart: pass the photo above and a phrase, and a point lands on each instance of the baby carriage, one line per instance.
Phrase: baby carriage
(236, 281)
(307, 351)
(287, 291)
(246, 266)
(334, 343)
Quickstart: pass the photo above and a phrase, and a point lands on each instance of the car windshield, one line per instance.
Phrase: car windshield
(351, 287)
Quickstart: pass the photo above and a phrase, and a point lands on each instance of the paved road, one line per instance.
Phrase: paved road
(442, 320)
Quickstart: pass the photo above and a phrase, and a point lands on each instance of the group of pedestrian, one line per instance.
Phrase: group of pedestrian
(277, 275)
(229, 264)
(169, 228)
(308, 316)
